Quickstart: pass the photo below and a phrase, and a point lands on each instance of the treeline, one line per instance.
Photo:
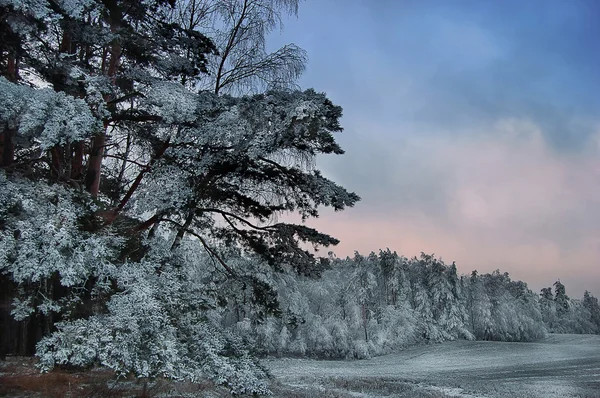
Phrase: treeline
(562, 314)
(371, 305)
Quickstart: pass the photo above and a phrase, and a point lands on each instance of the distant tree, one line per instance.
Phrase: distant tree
(365, 288)
(421, 301)
(389, 264)
(591, 304)
(454, 317)
(480, 312)
(548, 307)
(546, 294)
(561, 299)
(515, 310)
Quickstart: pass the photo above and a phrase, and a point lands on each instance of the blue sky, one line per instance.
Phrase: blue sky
(471, 130)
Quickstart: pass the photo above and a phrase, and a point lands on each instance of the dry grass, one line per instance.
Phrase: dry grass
(20, 378)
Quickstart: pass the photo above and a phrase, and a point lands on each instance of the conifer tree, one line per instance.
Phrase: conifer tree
(561, 299)
(118, 172)
(591, 304)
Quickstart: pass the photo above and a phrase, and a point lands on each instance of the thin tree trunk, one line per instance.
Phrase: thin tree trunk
(65, 44)
(364, 315)
(237, 309)
(124, 164)
(7, 156)
(92, 180)
(12, 70)
(8, 148)
(63, 161)
(230, 45)
(77, 161)
(56, 171)
(472, 315)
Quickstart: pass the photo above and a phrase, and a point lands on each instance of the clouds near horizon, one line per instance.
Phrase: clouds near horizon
(504, 200)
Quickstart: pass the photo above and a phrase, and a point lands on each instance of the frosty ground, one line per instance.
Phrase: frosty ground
(558, 366)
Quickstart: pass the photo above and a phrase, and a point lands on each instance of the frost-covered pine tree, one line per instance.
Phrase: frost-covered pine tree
(591, 304)
(515, 311)
(563, 302)
(124, 188)
(453, 319)
(548, 307)
(480, 309)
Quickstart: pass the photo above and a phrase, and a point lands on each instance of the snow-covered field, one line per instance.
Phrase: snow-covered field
(558, 366)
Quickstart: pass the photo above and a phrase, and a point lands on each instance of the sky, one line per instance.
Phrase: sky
(471, 130)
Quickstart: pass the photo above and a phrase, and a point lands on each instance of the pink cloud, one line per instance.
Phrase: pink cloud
(512, 203)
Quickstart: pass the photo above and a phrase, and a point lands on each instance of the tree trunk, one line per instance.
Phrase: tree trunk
(364, 316)
(124, 164)
(16, 337)
(12, 72)
(92, 178)
(57, 171)
(6, 295)
(7, 144)
(77, 161)
(8, 148)
(153, 230)
(1, 149)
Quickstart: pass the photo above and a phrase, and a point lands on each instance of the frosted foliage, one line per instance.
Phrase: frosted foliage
(156, 328)
(76, 8)
(306, 109)
(48, 238)
(141, 339)
(46, 116)
(174, 192)
(61, 119)
(41, 236)
(36, 8)
(12, 103)
(94, 87)
(172, 102)
(21, 309)
(290, 128)
(258, 125)
(501, 309)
